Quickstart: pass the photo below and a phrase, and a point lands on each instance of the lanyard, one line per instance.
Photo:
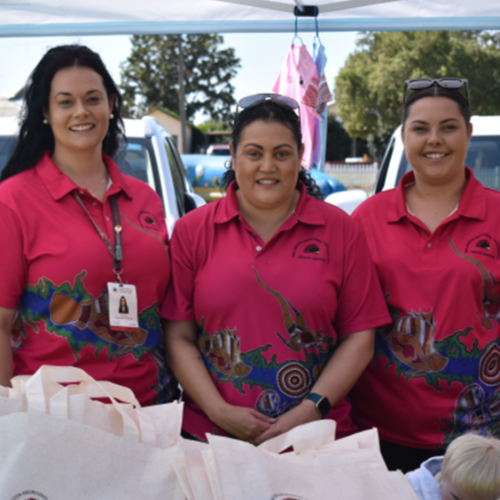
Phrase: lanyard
(116, 250)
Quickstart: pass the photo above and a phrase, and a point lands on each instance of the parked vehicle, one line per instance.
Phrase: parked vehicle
(205, 173)
(483, 157)
(218, 150)
(149, 155)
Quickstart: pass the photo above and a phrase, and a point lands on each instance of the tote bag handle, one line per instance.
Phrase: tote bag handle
(44, 394)
(304, 437)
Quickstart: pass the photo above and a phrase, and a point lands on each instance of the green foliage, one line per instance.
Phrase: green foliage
(338, 142)
(369, 88)
(213, 125)
(150, 75)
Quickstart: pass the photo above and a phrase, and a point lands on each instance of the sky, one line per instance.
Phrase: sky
(261, 56)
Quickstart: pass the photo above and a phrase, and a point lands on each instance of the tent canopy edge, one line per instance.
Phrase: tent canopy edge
(305, 25)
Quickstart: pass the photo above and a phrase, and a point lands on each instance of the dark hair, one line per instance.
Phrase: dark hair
(34, 136)
(270, 111)
(437, 91)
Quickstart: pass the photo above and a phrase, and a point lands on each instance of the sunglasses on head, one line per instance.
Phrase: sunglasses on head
(281, 100)
(445, 83)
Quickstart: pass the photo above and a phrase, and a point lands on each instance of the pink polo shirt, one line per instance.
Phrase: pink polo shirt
(436, 372)
(270, 315)
(55, 267)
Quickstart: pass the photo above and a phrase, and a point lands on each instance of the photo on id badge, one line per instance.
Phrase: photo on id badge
(122, 307)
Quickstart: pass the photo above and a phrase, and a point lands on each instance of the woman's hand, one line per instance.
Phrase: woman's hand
(339, 375)
(243, 423)
(188, 366)
(302, 414)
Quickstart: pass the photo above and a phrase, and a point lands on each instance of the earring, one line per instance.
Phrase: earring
(111, 116)
(45, 121)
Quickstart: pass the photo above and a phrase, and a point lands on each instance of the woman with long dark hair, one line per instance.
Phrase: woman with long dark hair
(274, 297)
(435, 243)
(76, 234)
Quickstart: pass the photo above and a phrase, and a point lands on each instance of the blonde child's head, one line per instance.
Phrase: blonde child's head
(471, 469)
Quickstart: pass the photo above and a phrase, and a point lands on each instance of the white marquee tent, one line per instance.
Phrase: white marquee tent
(93, 17)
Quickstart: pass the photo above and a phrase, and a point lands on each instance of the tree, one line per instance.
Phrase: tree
(150, 75)
(338, 143)
(369, 88)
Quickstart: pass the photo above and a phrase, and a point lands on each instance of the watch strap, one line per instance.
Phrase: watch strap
(322, 404)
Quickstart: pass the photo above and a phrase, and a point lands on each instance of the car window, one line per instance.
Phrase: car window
(7, 145)
(384, 166)
(178, 175)
(137, 159)
(483, 157)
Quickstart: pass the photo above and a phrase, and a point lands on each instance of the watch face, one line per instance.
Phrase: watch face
(324, 406)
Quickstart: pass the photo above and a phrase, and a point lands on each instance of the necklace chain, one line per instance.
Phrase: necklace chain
(91, 191)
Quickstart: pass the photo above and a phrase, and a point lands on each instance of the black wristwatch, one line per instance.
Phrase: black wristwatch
(323, 406)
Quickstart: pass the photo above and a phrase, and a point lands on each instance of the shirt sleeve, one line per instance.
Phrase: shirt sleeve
(178, 303)
(361, 302)
(13, 267)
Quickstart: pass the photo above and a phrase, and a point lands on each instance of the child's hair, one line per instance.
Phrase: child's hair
(472, 466)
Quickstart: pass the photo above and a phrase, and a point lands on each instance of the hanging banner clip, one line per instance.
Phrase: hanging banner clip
(306, 11)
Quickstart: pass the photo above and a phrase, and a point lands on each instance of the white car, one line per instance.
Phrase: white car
(150, 155)
(483, 156)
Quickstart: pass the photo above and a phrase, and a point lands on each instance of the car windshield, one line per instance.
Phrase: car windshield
(134, 160)
(483, 157)
(7, 145)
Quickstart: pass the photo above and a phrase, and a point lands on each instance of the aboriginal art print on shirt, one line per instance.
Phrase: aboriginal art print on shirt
(283, 385)
(70, 312)
(409, 343)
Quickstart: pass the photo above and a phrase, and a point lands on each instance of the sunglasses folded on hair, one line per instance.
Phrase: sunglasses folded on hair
(445, 83)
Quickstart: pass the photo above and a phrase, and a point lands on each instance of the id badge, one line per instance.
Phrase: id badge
(123, 307)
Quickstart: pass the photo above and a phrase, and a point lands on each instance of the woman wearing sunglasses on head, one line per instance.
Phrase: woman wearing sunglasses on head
(274, 297)
(75, 253)
(435, 243)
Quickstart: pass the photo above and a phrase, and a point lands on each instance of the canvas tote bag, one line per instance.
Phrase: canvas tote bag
(58, 443)
(310, 472)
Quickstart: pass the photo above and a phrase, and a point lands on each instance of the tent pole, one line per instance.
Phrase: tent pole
(182, 103)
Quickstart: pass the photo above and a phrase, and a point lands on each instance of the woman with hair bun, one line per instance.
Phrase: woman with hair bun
(74, 237)
(274, 297)
(435, 241)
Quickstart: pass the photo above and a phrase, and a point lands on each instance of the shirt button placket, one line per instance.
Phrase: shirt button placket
(429, 254)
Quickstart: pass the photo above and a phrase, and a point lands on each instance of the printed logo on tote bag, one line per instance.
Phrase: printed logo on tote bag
(30, 495)
(286, 496)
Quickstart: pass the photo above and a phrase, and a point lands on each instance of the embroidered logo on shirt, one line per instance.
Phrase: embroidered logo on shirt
(312, 249)
(148, 221)
(484, 244)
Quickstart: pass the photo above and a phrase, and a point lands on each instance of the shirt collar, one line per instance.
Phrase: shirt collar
(59, 185)
(306, 210)
(472, 202)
